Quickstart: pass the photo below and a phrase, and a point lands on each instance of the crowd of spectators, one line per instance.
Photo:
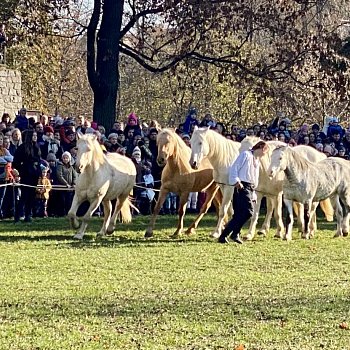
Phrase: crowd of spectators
(43, 152)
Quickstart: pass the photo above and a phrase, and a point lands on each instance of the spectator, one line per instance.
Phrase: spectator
(27, 161)
(191, 121)
(21, 121)
(55, 196)
(43, 192)
(5, 158)
(334, 127)
(66, 176)
(132, 124)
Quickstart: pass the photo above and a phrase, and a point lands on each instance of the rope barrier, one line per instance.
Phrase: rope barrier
(65, 188)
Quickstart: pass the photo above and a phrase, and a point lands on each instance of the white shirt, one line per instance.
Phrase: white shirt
(245, 168)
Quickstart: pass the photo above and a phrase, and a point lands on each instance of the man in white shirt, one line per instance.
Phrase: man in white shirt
(244, 176)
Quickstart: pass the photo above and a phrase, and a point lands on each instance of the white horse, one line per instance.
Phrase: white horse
(309, 183)
(221, 153)
(102, 178)
(271, 188)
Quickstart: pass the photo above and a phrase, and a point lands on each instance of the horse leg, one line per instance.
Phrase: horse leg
(289, 224)
(93, 206)
(118, 207)
(254, 218)
(211, 192)
(278, 203)
(309, 215)
(182, 211)
(327, 208)
(226, 202)
(339, 215)
(107, 208)
(72, 214)
(299, 210)
(270, 206)
(161, 199)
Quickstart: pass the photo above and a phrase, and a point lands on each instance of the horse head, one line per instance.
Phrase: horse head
(85, 149)
(166, 147)
(278, 161)
(199, 146)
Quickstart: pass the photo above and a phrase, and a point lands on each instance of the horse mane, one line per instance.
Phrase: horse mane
(222, 147)
(295, 159)
(182, 153)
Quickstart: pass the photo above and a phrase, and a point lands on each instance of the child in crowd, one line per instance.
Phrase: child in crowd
(43, 192)
(66, 176)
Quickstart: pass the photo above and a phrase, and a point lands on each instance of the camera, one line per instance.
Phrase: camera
(140, 143)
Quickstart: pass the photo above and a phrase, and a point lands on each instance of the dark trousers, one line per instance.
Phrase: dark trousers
(28, 200)
(2, 196)
(243, 210)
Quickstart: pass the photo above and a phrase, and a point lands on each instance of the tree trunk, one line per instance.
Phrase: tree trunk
(103, 60)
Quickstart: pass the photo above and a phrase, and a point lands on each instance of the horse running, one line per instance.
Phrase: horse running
(178, 177)
(221, 153)
(309, 183)
(271, 188)
(102, 178)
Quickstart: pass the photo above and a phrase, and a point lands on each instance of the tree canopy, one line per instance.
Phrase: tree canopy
(238, 57)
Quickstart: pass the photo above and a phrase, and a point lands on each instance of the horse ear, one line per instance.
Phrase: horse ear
(79, 134)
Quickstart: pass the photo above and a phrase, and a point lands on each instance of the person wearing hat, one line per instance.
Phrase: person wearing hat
(244, 176)
(50, 143)
(186, 138)
(68, 137)
(136, 159)
(66, 176)
(334, 127)
(316, 130)
(132, 124)
(43, 191)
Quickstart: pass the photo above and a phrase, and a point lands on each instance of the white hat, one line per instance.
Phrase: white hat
(136, 151)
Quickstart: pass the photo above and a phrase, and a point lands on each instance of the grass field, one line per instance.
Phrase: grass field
(125, 292)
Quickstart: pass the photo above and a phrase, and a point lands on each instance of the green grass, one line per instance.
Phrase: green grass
(125, 292)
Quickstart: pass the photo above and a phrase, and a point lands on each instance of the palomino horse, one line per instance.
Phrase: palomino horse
(102, 178)
(221, 153)
(271, 188)
(178, 177)
(308, 183)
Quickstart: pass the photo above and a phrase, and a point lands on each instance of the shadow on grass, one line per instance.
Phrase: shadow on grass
(58, 230)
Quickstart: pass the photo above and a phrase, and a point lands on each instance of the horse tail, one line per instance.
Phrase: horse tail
(125, 211)
(327, 208)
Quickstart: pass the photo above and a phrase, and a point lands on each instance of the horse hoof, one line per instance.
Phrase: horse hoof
(174, 235)
(109, 232)
(277, 235)
(262, 233)
(148, 234)
(248, 238)
(215, 235)
(345, 233)
(78, 237)
(190, 232)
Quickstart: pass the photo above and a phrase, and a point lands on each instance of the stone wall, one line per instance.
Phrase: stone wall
(10, 91)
